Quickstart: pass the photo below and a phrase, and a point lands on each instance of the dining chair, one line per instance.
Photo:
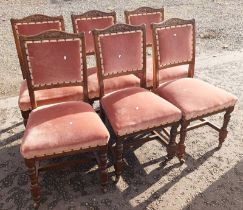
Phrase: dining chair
(147, 16)
(133, 112)
(86, 23)
(28, 26)
(174, 45)
(56, 59)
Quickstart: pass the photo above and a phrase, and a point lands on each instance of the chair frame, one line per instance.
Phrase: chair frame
(141, 11)
(37, 18)
(171, 23)
(33, 163)
(138, 137)
(92, 14)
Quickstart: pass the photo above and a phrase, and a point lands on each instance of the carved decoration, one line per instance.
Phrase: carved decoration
(52, 34)
(145, 10)
(120, 27)
(37, 18)
(173, 22)
(94, 14)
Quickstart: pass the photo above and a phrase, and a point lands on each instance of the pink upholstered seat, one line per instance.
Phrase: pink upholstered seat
(111, 84)
(49, 96)
(135, 109)
(195, 97)
(167, 74)
(61, 128)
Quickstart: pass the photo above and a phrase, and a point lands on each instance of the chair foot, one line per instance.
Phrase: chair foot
(219, 146)
(181, 152)
(117, 179)
(104, 189)
(182, 161)
(36, 205)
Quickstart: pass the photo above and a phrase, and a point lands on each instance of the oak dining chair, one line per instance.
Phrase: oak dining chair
(55, 59)
(174, 45)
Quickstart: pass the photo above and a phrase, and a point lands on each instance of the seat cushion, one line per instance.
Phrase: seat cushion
(167, 74)
(62, 127)
(110, 85)
(136, 109)
(195, 97)
(49, 96)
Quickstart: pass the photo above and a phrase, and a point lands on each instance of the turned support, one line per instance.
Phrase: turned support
(181, 145)
(223, 131)
(103, 168)
(119, 159)
(172, 146)
(35, 190)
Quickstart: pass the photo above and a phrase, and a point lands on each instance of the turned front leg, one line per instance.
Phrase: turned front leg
(35, 190)
(223, 131)
(181, 145)
(119, 159)
(103, 168)
(172, 147)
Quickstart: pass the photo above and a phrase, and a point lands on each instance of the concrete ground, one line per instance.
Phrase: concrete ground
(209, 179)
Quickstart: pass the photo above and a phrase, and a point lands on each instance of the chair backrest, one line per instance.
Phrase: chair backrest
(120, 50)
(173, 45)
(147, 16)
(54, 59)
(89, 21)
(33, 25)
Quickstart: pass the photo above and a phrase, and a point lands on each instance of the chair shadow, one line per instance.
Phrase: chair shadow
(10, 127)
(155, 177)
(58, 186)
(225, 193)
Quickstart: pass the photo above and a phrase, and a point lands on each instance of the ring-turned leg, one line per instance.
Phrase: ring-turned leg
(181, 145)
(103, 168)
(223, 131)
(35, 190)
(119, 159)
(172, 147)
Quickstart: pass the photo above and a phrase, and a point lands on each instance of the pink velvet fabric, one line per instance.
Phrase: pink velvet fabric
(175, 44)
(122, 52)
(165, 75)
(61, 128)
(87, 25)
(53, 62)
(146, 19)
(111, 84)
(136, 109)
(36, 28)
(49, 96)
(195, 97)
